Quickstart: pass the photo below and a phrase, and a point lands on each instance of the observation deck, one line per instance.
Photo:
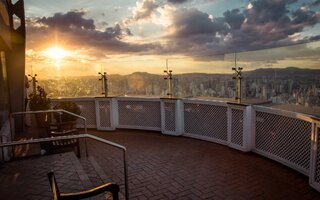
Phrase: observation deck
(185, 149)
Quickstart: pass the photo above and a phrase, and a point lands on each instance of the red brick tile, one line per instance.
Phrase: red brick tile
(162, 167)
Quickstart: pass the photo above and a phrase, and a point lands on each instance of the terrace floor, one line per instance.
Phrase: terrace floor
(159, 167)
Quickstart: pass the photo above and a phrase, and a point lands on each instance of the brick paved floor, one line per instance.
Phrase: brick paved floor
(167, 167)
(160, 167)
(27, 178)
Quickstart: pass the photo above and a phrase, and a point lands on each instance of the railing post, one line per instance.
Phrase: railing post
(240, 126)
(249, 128)
(163, 117)
(314, 175)
(104, 113)
(179, 117)
(171, 123)
(229, 128)
(97, 111)
(114, 112)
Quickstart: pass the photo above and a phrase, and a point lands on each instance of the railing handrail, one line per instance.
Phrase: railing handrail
(206, 102)
(50, 111)
(68, 137)
(135, 98)
(47, 111)
(287, 113)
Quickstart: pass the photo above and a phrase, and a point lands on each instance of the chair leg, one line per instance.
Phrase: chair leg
(54, 186)
(115, 195)
(78, 149)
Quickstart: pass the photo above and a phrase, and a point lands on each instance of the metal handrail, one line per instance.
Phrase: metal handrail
(49, 111)
(316, 120)
(287, 113)
(60, 111)
(68, 137)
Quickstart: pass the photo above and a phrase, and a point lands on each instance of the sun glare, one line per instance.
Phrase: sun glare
(56, 53)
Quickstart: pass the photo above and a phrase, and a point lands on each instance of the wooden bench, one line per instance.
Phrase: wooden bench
(55, 130)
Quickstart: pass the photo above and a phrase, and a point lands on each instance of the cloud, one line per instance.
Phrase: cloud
(186, 31)
(234, 18)
(143, 11)
(193, 33)
(177, 1)
(315, 3)
(306, 50)
(305, 17)
(263, 12)
(192, 22)
(68, 20)
(271, 24)
(264, 24)
(74, 30)
(150, 11)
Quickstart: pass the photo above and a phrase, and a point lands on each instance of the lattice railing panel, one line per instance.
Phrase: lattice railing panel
(88, 111)
(139, 113)
(284, 137)
(317, 168)
(237, 126)
(206, 120)
(104, 113)
(170, 116)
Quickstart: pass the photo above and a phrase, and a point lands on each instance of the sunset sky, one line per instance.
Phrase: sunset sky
(82, 37)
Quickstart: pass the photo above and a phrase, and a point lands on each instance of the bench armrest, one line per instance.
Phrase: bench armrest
(108, 187)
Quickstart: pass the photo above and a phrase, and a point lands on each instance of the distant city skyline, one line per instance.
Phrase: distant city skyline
(121, 37)
(292, 86)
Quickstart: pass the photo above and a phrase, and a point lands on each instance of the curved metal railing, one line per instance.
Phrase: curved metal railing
(85, 136)
(46, 111)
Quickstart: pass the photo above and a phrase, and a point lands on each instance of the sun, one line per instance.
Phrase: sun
(56, 53)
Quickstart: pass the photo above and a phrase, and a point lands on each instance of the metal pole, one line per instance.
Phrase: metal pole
(104, 83)
(170, 86)
(239, 90)
(238, 78)
(169, 78)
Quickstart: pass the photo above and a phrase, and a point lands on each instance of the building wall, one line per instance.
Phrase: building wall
(12, 65)
(5, 33)
(4, 90)
(16, 58)
(5, 133)
(5, 46)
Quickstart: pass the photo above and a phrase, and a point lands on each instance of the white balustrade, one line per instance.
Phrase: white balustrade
(287, 137)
